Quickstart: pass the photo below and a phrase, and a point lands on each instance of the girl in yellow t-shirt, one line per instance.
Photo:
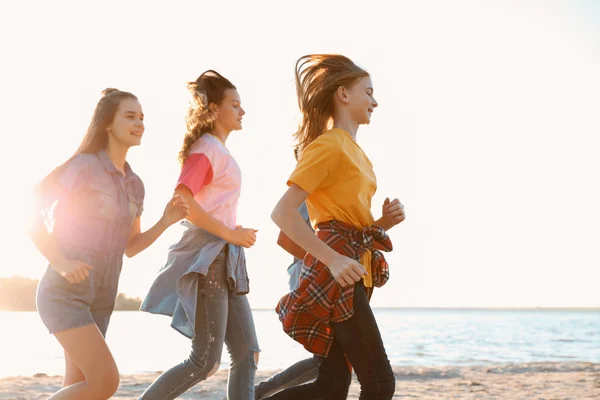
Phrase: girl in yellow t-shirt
(329, 313)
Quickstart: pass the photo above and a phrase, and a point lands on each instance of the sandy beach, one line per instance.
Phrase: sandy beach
(543, 381)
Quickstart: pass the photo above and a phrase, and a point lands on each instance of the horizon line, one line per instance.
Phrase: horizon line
(474, 308)
(419, 308)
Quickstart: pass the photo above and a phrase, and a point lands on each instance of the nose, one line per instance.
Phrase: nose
(242, 111)
(374, 103)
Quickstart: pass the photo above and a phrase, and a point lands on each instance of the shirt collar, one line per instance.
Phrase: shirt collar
(218, 140)
(110, 167)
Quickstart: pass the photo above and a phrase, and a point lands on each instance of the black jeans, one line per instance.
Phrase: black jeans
(357, 338)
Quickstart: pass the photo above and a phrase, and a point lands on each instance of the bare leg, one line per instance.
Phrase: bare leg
(88, 351)
(72, 372)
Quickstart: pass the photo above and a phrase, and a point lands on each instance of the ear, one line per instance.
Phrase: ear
(342, 94)
(212, 107)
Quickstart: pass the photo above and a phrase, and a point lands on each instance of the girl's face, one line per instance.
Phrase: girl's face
(361, 101)
(127, 127)
(229, 112)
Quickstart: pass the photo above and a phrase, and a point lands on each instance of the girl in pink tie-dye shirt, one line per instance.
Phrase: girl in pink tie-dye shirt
(204, 283)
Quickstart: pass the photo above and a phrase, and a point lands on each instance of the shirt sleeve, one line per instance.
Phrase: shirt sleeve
(60, 186)
(196, 173)
(318, 162)
(65, 180)
(74, 173)
(139, 191)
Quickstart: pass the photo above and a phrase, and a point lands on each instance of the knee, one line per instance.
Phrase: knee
(387, 389)
(214, 369)
(105, 385)
(246, 357)
(206, 362)
(199, 355)
(73, 379)
(334, 385)
(380, 389)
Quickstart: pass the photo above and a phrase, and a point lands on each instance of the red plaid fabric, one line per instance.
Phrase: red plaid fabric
(306, 313)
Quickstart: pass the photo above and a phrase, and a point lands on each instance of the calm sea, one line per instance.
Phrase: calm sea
(145, 343)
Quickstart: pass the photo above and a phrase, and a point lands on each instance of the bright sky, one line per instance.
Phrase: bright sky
(487, 130)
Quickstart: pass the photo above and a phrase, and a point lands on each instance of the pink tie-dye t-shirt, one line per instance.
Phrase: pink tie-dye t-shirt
(214, 178)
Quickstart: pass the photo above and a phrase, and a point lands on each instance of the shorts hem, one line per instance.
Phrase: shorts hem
(67, 327)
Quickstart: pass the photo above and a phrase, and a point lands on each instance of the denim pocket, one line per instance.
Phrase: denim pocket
(61, 283)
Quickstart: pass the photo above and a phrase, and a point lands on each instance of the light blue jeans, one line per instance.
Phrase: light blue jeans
(221, 317)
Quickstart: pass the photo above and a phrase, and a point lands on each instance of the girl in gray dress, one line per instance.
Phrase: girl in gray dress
(88, 217)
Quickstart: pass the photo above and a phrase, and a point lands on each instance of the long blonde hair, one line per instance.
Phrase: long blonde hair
(318, 76)
(209, 88)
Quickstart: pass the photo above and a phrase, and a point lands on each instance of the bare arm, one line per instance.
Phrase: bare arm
(74, 271)
(383, 223)
(392, 214)
(240, 236)
(175, 210)
(287, 217)
(44, 243)
(139, 241)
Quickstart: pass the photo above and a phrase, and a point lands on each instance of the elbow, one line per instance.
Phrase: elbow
(34, 231)
(282, 240)
(276, 216)
(282, 213)
(130, 252)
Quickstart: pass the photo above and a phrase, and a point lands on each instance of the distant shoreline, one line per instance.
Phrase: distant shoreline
(18, 294)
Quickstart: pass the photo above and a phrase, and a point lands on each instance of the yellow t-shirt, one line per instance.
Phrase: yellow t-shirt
(339, 178)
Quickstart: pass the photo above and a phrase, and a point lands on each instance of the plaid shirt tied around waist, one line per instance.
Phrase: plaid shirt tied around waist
(306, 313)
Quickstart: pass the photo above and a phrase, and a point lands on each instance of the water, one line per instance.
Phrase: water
(142, 342)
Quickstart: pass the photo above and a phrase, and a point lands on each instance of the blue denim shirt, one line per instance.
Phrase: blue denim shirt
(175, 289)
(94, 206)
(294, 269)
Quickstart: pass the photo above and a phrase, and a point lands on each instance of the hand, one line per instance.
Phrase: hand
(241, 236)
(74, 271)
(392, 213)
(346, 270)
(176, 209)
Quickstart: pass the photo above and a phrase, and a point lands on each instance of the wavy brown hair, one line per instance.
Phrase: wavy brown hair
(209, 88)
(318, 76)
(96, 137)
